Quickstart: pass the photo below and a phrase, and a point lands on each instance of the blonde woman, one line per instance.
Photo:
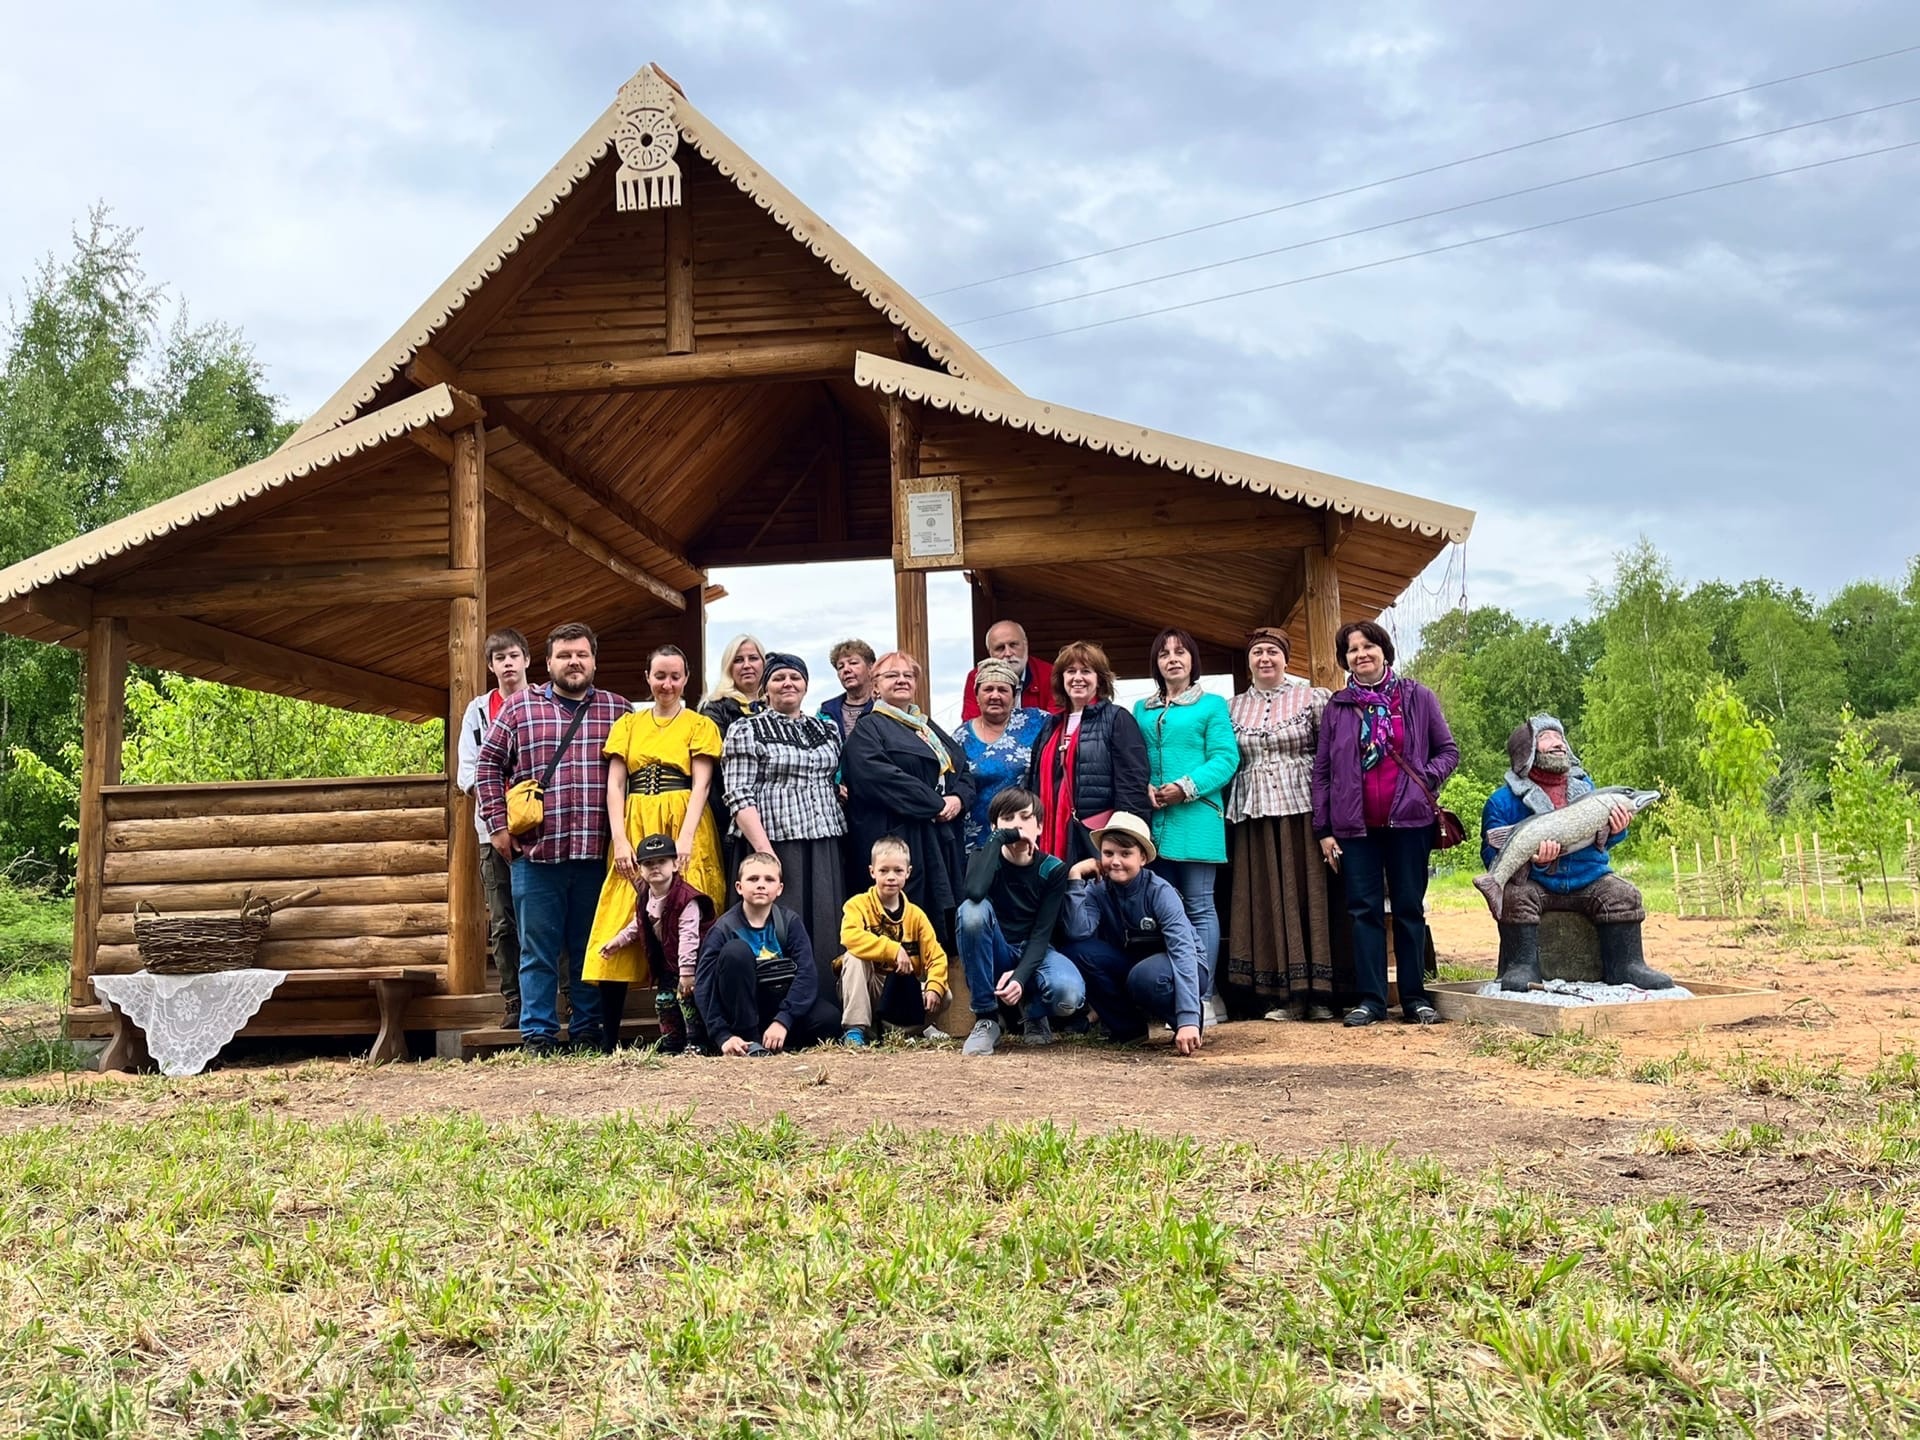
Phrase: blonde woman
(739, 691)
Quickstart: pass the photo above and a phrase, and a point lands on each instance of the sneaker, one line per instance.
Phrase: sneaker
(1039, 1031)
(756, 1049)
(1213, 1011)
(541, 1045)
(985, 1036)
(934, 1032)
(1320, 1012)
(1358, 1016)
(1283, 1013)
(855, 1038)
(1424, 1015)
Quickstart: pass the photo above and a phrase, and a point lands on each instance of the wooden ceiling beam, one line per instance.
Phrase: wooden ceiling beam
(995, 545)
(555, 523)
(285, 588)
(207, 644)
(810, 360)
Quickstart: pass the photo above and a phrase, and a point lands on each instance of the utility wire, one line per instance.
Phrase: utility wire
(1426, 170)
(1459, 244)
(1430, 214)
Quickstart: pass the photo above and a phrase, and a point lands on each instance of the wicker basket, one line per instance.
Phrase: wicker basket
(202, 944)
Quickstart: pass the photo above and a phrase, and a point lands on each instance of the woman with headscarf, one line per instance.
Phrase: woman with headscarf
(780, 767)
(1286, 955)
(1384, 748)
(998, 741)
(1089, 759)
(905, 776)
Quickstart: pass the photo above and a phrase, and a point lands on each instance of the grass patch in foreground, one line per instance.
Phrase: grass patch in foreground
(225, 1272)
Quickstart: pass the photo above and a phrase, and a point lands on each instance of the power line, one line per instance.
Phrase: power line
(1431, 214)
(1459, 244)
(1426, 170)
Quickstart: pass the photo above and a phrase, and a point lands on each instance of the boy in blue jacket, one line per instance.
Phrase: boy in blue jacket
(1128, 931)
(1547, 776)
(755, 983)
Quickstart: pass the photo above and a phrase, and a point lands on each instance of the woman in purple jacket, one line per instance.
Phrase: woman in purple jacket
(1374, 822)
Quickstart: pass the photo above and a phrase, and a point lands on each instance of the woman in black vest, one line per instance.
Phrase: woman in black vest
(1090, 758)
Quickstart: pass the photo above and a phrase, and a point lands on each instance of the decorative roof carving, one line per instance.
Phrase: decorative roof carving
(646, 139)
(63, 562)
(1156, 447)
(866, 278)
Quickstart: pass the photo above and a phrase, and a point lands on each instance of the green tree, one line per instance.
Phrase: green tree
(1876, 629)
(1870, 803)
(1740, 760)
(102, 411)
(1639, 724)
(181, 729)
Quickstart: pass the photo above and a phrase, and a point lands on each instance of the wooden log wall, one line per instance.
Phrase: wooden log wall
(376, 848)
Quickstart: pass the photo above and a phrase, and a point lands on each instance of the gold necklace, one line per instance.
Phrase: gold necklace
(654, 715)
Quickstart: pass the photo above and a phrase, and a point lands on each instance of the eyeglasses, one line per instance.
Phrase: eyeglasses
(894, 675)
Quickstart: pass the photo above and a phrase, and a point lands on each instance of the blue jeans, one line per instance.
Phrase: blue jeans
(1126, 993)
(1379, 865)
(1194, 880)
(554, 905)
(987, 954)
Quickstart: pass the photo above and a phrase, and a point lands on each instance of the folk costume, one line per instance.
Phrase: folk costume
(1286, 941)
(659, 758)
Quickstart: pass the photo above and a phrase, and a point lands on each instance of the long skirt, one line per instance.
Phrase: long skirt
(1284, 940)
(620, 898)
(811, 880)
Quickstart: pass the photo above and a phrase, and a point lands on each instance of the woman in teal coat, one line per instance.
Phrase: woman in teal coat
(1192, 755)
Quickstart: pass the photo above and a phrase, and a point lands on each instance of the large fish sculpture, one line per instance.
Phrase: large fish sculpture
(1581, 823)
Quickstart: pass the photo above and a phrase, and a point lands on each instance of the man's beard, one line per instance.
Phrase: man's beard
(1554, 762)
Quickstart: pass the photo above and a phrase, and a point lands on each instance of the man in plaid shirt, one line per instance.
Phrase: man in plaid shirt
(558, 868)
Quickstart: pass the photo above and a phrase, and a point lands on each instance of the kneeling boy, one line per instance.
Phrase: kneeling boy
(755, 983)
(1130, 936)
(1005, 928)
(892, 955)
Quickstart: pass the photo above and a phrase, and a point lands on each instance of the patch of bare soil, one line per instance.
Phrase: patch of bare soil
(1288, 1088)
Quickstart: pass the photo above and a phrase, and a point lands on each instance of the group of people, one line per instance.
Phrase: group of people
(785, 875)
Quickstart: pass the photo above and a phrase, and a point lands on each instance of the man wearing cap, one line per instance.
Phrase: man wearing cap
(1545, 777)
(1129, 933)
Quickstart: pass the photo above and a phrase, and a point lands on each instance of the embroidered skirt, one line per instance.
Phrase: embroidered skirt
(1284, 938)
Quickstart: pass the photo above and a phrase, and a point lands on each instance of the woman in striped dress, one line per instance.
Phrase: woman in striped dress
(1286, 953)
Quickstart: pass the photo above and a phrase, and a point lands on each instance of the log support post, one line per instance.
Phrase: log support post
(104, 719)
(909, 586)
(986, 612)
(679, 306)
(690, 634)
(466, 678)
(1323, 617)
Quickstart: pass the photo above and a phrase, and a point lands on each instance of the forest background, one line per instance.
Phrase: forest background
(1756, 707)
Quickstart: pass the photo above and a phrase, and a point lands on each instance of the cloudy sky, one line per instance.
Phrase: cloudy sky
(1731, 374)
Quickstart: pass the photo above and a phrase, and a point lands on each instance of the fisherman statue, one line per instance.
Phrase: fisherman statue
(1564, 873)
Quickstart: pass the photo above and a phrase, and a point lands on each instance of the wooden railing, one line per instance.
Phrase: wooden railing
(376, 848)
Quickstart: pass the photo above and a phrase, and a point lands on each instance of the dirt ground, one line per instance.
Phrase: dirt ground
(1290, 1088)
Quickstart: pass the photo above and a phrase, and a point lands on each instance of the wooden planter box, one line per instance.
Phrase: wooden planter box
(1711, 1005)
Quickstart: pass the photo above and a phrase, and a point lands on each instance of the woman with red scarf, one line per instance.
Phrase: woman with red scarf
(1090, 758)
(1374, 821)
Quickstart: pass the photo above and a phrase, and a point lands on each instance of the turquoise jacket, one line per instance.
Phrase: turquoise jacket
(1192, 744)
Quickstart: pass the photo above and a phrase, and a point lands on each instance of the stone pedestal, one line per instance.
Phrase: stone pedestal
(1569, 947)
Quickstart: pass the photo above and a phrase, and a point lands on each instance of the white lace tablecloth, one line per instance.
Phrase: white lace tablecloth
(187, 1018)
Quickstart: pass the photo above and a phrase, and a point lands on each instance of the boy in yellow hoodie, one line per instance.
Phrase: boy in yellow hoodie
(892, 955)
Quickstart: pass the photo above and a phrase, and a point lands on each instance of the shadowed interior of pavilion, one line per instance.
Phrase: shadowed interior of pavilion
(602, 404)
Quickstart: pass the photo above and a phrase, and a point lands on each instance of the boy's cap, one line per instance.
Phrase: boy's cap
(1131, 826)
(657, 847)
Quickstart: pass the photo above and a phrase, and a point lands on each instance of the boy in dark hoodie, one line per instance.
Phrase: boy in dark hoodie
(755, 983)
(1004, 930)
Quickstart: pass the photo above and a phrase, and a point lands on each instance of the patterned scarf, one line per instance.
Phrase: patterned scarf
(920, 726)
(1376, 717)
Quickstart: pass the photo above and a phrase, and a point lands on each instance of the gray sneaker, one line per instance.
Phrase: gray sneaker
(1039, 1031)
(985, 1036)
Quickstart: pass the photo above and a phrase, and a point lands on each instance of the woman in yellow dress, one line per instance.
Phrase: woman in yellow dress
(661, 761)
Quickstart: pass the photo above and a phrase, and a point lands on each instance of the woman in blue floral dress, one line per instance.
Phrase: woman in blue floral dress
(998, 742)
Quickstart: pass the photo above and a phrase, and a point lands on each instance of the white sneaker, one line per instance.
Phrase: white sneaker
(1216, 1011)
(985, 1036)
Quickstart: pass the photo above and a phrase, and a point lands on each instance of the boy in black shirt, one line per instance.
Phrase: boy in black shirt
(1004, 928)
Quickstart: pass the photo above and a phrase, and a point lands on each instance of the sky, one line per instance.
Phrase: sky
(1730, 374)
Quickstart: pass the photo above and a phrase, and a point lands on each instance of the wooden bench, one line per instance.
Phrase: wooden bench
(393, 987)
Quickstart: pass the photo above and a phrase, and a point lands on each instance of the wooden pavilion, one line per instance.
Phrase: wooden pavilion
(661, 362)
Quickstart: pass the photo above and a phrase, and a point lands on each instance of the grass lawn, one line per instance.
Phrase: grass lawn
(227, 1272)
